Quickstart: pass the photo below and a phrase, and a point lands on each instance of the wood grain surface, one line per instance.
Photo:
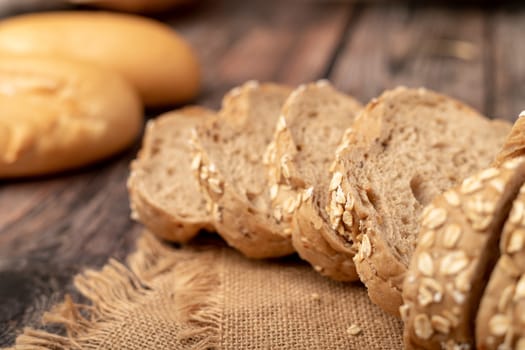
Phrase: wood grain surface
(52, 228)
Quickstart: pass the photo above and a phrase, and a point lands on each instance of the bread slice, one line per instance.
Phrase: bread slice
(500, 322)
(164, 195)
(514, 145)
(406, 147)
(228, 156)
(455, 254)
(311, 126)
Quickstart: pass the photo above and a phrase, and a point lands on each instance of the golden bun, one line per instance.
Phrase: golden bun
(159, 63)
(57, 115)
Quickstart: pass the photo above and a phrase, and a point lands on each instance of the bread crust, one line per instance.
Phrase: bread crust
(252, 231)
(145, 206)
(455, 254)
(59, 114)
(382, 274)
(500, 322)
(311, 245)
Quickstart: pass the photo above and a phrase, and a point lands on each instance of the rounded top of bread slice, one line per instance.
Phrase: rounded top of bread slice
(500, 322)
(456, 252)
(407, 146)
(230, 152)
(164, 194)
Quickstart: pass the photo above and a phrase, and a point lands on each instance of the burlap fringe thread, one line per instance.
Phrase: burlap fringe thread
(115, 288)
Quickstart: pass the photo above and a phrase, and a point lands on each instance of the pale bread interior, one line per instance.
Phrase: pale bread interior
(166, 176)
(416, 144)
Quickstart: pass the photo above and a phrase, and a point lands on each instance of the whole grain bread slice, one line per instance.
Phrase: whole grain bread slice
(164, 194)
(456, 252)
(500, 322)
(228, 158)
(310, 128)
(405, 148)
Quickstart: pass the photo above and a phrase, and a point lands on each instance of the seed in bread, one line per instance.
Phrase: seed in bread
(313, 121)
(407, 146)
(164, 194)
(58, 114)
(500, 323)
(151, 56)
(460, 269)
(232, 175)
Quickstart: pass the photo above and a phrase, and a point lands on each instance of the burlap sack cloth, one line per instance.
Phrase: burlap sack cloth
(210, 297)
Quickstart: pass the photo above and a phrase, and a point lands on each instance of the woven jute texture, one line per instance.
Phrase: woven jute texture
(209, 297)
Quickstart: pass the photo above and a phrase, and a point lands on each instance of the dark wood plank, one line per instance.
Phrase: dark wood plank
(50, 229)
(507, 69)
(435, 47)
(284, 41)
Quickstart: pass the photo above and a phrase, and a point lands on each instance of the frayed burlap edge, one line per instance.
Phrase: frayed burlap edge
(114, 289)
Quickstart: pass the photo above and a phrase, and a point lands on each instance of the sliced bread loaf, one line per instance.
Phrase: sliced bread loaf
(312, 123)
(228, 158)
(164, 194)
(406, 147)
(500, 323)
(455, 254)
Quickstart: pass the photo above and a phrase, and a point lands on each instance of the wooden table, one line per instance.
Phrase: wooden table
(52, 228)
